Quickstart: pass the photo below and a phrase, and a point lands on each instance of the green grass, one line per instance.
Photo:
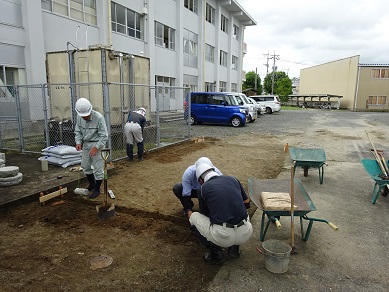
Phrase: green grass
(288, 107)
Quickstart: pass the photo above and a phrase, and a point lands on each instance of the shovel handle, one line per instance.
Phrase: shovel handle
(105, 153)
(259, 250)
(333, 226)
(278, 224)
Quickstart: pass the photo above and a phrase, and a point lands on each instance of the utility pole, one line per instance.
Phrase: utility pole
(256, 74)
(267, 63)
(274, 57)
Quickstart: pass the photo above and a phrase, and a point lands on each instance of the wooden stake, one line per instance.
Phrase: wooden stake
(377, 157)
(292, 210)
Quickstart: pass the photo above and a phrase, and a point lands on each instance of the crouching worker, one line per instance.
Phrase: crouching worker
(91, 136)
(223, 221)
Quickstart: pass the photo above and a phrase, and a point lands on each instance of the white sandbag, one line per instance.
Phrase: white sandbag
(61, 150)
(61, 162)
(46, 153)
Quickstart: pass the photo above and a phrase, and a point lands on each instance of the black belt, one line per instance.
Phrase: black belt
(92, 141)
(232, 225)
(133, 122)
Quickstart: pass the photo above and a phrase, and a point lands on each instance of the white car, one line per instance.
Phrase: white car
(242, 100)
(271, 102)
(261, 109)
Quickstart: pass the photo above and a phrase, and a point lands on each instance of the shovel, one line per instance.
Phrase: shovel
(105, 211)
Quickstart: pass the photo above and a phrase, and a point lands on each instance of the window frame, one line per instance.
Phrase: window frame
(234, 62)
(80, 10)
(124, 24)
(224, 23)
(191, 5)
(209, 53)
(210, 13)
(223, 58)
(167, 42)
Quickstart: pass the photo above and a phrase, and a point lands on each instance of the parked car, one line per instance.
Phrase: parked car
(217, 107)
(242, 100)
(261, 109)
(271, 102)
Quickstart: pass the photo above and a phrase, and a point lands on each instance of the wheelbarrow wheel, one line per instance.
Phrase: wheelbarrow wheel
(306, 171)
(385, 191)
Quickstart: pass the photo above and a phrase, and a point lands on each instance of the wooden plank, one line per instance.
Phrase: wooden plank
(53, 195)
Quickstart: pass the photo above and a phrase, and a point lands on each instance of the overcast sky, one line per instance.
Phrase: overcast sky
(304, 33)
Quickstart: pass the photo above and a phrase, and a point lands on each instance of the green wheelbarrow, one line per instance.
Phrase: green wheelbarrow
(307, 158)
(373, 169)
(303, 202)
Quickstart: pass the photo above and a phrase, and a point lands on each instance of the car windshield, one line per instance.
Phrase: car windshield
(231, 100)
(244, 97)
(238, 100)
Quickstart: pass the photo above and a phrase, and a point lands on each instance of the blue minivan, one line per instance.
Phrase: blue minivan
(218, 108)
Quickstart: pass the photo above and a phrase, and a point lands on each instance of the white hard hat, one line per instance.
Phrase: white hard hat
(204, 160)
(83, 107)
(142, 111)
(202, 168)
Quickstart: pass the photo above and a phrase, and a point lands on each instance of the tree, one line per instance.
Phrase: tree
(250, 81)
(282, 84)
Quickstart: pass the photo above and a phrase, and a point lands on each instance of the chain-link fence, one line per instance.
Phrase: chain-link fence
(33, 117)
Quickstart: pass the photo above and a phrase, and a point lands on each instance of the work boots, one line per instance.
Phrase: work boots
(216, 255)
(96, 191)
(233, 251)
(91, 180)
(140, 150)
(130, 152)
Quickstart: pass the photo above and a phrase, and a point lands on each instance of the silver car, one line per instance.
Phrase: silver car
(261, 109)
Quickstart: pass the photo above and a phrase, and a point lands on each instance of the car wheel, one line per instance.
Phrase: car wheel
(192, 120)
(268, 110)
(236, 122)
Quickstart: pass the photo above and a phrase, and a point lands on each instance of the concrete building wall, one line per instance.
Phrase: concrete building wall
(373, 87)
(29, 29)
(338, 77)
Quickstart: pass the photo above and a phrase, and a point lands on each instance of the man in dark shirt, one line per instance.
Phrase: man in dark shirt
(223, 221)
(133, 130)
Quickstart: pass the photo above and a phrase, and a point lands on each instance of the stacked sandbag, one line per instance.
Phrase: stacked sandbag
(10, 175)
(61, 155)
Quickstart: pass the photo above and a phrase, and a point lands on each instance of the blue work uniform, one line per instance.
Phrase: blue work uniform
(92, 133)
(188, 188)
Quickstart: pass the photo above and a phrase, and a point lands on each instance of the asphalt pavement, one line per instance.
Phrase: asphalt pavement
(354, 257)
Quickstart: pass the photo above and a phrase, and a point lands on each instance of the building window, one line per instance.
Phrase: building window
(236, 32)
(191, 5)
(126, 21)
(379, 73)
(376, 100)
(224, 24)
(190, 48)
(210, 14)
(190, 81)
(222, 86)
(234, 87)
(223, 58)
(82, 10)
(209, 53)
(210, 87)
(235, 62)
(164, 36)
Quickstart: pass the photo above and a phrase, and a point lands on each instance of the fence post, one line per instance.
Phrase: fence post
(158, 116)
(106, 100)
(19, 117)
(45, 115)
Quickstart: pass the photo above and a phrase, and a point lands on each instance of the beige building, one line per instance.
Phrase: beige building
(362, 86)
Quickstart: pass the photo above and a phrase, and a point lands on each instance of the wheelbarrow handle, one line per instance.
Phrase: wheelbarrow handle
(278, 223)
(333, 226)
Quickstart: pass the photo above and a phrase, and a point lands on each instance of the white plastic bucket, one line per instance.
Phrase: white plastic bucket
(277, 255)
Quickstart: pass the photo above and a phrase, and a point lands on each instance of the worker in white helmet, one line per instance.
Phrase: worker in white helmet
(91, 136)
(223, 221)
(133, 130)
(186, 190)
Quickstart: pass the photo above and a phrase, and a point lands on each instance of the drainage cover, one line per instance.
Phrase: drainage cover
(100, 261)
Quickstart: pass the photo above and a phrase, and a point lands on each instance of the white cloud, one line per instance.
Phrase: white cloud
(305, 33)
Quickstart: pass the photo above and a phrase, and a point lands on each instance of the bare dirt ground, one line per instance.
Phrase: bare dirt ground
(52, 247)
